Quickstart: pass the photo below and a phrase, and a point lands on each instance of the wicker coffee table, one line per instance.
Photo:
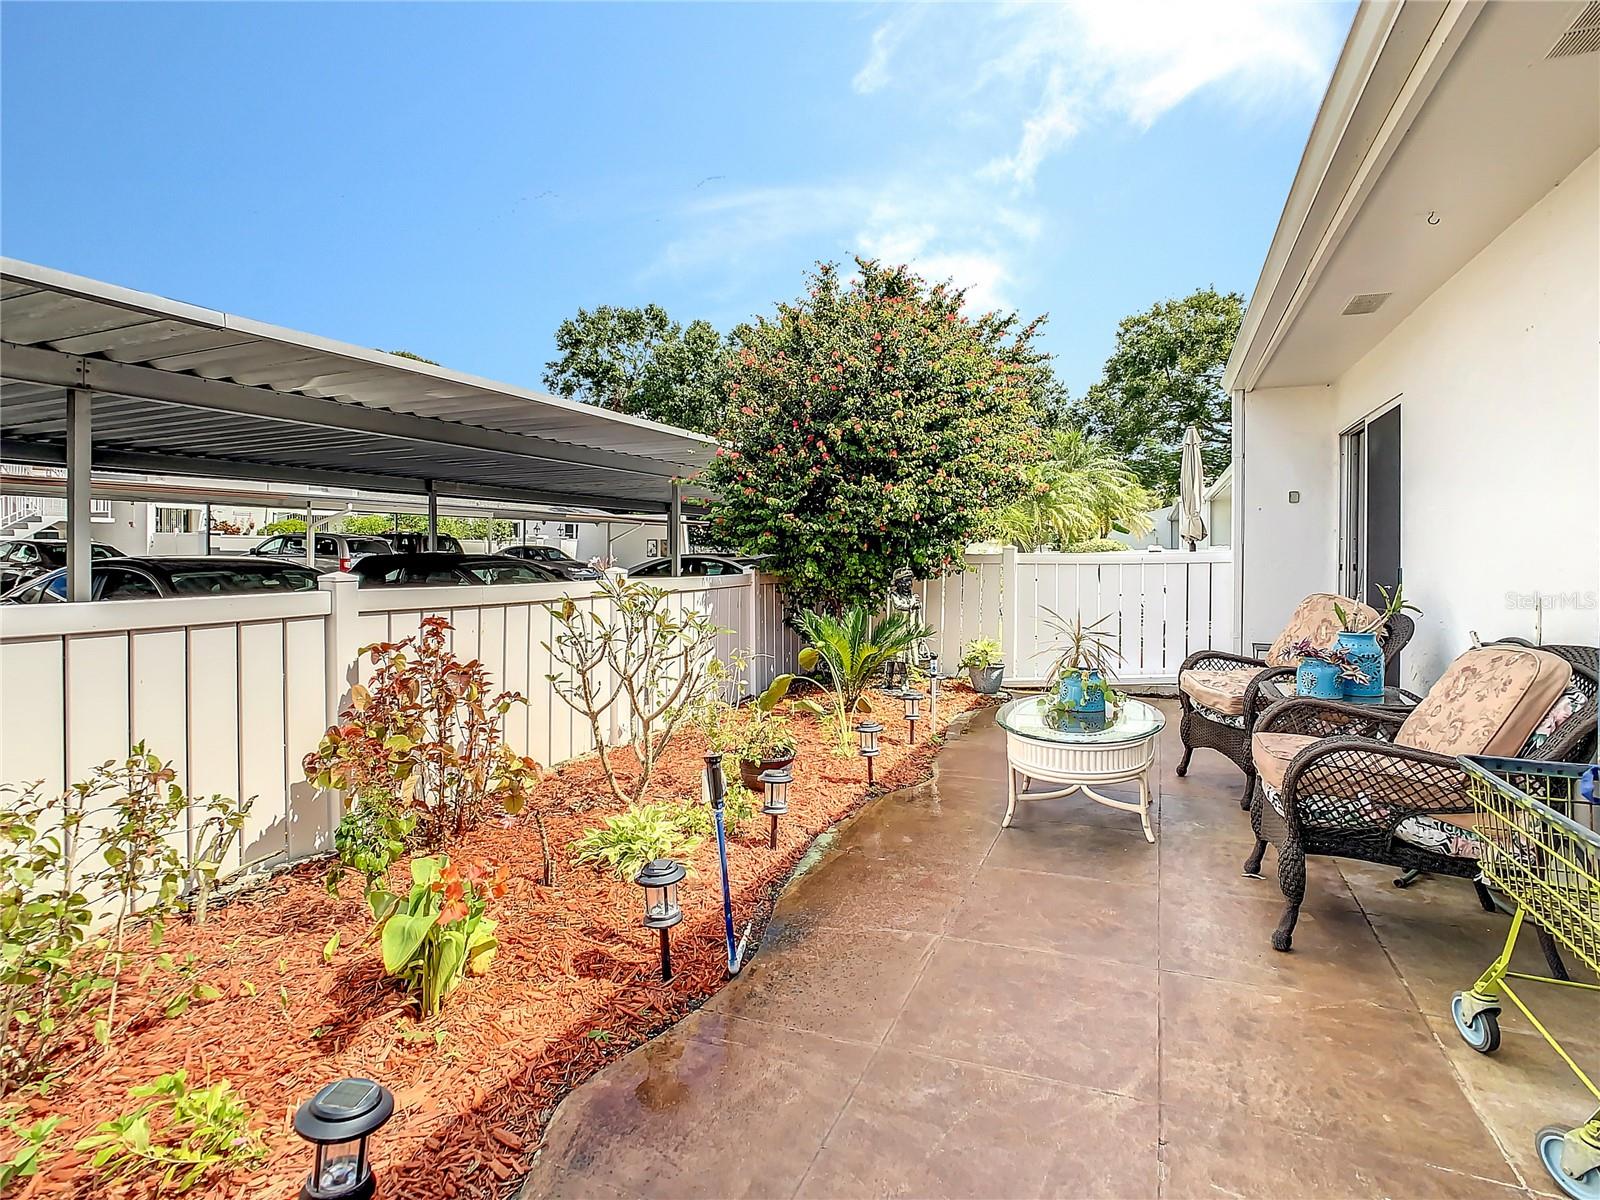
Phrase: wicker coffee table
(1081, 754)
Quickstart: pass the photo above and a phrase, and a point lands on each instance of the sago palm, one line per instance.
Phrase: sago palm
(855, 648)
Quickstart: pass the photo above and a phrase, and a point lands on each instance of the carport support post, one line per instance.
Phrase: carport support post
(675, 529)
(433, 518)
(311, 539)
(80, 584)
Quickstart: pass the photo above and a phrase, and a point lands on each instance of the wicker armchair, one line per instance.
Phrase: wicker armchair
(1226, 725)
(1354, 788)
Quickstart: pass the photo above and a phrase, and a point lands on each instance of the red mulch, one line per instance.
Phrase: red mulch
(576, 984)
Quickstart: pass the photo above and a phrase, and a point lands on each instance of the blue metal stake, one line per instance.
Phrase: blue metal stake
(716, 788)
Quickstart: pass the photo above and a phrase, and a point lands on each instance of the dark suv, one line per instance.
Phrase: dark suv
(28, 558)
(158, 578)
(449, 570)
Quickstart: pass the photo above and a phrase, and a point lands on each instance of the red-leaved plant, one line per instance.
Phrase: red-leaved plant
(426, 734)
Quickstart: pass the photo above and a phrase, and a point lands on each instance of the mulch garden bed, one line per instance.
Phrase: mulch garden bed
(576, 983)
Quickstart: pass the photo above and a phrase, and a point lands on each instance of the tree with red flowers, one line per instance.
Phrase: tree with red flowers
(872, 425)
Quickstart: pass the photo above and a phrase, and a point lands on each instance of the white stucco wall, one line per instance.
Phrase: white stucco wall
(1286, 548)
(1499, 387)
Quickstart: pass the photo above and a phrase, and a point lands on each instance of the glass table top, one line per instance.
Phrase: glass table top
(1029, 717)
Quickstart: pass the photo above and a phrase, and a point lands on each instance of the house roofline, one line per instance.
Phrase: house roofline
(1391, 60)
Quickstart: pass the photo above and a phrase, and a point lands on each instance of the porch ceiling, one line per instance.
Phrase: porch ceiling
(184, 390)
(1476, 128)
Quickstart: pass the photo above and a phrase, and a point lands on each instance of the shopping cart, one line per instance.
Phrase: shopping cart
(1537, 821)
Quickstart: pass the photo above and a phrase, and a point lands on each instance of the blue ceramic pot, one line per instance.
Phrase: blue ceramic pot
(1083, 697)
(1368, 655)
(1316, 678)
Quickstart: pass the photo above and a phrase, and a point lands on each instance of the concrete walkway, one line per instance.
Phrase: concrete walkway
(942, 1009)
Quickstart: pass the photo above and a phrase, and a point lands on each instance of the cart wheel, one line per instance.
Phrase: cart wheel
(1549, 1141)
(1482, 1033)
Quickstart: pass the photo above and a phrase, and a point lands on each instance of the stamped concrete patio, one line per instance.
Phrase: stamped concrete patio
(943, 1009)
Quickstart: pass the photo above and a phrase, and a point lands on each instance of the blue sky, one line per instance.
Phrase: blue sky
(454, 179)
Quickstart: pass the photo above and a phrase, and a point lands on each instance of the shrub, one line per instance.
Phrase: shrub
(426, 734)
(739, 804)
(622, 844)
(46, 985)
(753, 737)
(656, 662)
(371, 836)
(981, 652)
(872, 425)
(437, 934)
(1098, 546)
(180, 1131)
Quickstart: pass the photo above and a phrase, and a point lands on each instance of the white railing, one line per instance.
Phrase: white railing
(1162, 606)
(236, 690)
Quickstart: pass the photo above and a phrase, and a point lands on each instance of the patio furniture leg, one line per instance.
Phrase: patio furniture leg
(1552, 955)
(1011, 796)
(1249, 786)
(1408, 878)
(1485, 898)
(1292, 881)
(1144, 806)
(1252, 865)
(1183, 763)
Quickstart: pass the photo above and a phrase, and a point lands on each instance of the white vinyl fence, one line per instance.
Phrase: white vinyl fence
(235, 690)
(1162, 606)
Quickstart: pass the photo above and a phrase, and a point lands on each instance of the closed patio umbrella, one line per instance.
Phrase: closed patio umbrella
(1191, 488)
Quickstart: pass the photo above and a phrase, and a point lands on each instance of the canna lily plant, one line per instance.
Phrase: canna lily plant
(438, 934)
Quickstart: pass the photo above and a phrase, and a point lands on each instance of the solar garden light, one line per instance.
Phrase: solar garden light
(775, 791)
(868, 731)
(913, 701)
(660, 879)
(338, 1120)
(933, 689)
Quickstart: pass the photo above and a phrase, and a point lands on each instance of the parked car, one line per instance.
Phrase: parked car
(22, 559)
(331, 551)
(552, 559)
(451, 570)
(410, 542)
(164, 578)
(696, 564)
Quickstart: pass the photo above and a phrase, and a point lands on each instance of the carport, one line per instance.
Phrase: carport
(94, 375)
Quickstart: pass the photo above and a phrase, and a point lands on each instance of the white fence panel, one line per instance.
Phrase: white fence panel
(228, 688)
(1159, 607)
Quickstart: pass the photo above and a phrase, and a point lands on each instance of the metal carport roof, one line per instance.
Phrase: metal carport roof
(191, 391)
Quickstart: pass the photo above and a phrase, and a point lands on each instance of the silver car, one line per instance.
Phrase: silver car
(332, 551)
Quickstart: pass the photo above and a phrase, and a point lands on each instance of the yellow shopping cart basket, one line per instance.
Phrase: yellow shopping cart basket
(1537, 821)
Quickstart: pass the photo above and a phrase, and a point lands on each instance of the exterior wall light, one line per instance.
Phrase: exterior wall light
(660, 879)
(775, 802)
(338, 1120)
(868, 732)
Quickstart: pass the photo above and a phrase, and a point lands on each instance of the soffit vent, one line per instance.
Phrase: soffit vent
(1360, 305)
(1581, 37)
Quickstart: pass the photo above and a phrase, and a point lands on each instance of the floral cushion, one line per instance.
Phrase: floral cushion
(1569, 702)
(1222, 691)
(1489, 701)
(1315, 619)
(1438, 835)
(1271, 753)
(1232, 720)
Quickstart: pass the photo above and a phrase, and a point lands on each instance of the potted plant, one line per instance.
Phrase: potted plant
(1360, 638)
(761, 742)
(1082, 669)
(1324, 671)
(985, 666)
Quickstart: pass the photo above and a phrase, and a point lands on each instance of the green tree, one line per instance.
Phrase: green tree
(872, 425)
(642, 362)
(1164, 375)
(378, 524)
(1077, 492)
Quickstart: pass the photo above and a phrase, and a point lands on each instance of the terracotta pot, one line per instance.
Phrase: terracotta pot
(750, 773)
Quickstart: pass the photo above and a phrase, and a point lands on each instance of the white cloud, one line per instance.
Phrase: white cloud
(955, 230)
(886, 38)
(1043, 73)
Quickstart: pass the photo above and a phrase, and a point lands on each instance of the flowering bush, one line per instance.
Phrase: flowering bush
(426, 733)
(872, 425)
